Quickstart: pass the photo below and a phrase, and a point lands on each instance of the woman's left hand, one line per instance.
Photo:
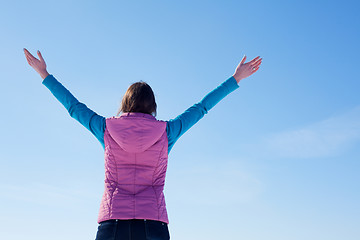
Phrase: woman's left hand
(38, 65)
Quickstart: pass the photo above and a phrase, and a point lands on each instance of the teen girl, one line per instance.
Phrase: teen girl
(136, 151)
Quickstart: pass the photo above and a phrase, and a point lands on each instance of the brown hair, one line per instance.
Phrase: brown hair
(139, 98)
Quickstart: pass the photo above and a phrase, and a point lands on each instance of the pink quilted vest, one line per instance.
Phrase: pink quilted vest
(136, 154)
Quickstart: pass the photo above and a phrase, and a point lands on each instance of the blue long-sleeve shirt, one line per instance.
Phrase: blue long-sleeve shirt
(176, 127)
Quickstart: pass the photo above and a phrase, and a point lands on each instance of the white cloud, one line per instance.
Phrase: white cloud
(322, 139)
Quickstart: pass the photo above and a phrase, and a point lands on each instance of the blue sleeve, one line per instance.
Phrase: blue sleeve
(178, 126)
(77, 110)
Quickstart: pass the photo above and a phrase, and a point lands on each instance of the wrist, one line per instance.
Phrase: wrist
(237, 78)
(44, 74)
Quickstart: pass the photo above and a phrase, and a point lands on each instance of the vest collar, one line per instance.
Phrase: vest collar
(137, 114)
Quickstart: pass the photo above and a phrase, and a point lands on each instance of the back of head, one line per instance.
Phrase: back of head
(139, 98)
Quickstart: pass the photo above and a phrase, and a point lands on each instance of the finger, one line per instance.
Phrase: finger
(28, 59)
(254, 60)
(27, 53)
(257, 64)
(243, 60)
(257, 60)
(255, 69)
(40, 56)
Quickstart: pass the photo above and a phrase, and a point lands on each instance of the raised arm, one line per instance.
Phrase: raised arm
(178, 126)
(77, 110)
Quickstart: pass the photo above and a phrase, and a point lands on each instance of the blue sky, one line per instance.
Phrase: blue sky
(276, 159)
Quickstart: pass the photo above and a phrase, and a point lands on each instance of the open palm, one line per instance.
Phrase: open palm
(38, 65)
(244, 70)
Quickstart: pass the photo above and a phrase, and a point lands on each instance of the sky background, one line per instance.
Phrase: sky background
(277, 159)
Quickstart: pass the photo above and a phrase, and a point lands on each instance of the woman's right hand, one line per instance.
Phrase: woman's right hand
(38, 65)
(244, 70)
